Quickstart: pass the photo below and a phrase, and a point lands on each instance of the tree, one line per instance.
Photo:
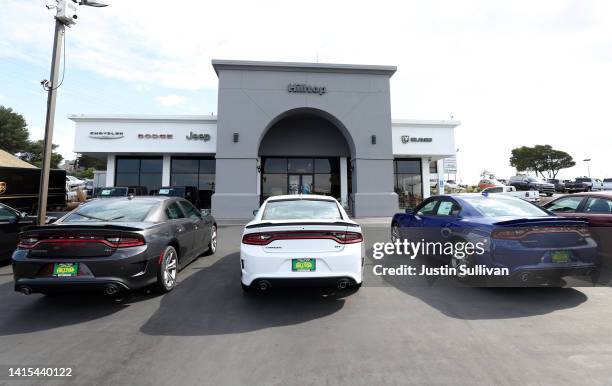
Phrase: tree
(34, 151)
(13, 131)
(540, 159)
(86, 161)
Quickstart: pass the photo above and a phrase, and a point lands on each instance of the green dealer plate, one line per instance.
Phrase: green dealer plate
(65, 269)
(303, 265)
(560, 256)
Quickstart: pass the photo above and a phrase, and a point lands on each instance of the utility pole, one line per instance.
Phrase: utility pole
(48, 140)
(66, 16)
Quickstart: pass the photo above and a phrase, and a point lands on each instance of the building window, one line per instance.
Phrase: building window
(408, 182)
(300, 176)
(146, 171)
(198, 172)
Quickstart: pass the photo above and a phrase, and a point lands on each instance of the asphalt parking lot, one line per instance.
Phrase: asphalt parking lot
(390, 332)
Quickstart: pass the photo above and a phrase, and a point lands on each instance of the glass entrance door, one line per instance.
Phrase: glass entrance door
(300, 183)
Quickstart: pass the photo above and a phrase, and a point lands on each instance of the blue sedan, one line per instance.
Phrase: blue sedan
(506, 234)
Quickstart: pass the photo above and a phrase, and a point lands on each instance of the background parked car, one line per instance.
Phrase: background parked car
(529, 195)
(74, 183)
(488, 183)
(607, 183)
(596, 207)
(559, 185)
(532, 183)
(12, 222)
(122, 191)
(189, 193)
(584, 184)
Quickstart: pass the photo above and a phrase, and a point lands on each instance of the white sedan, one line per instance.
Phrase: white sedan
(301, 239)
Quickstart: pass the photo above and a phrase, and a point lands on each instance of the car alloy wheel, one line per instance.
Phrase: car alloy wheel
(212, 244)
(460, 261)
(169, 268)
(395, 233)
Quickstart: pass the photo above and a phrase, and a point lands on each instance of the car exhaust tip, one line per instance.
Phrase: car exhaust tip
(26, 290)
(342, 284)
(111, 289)
(264, 285)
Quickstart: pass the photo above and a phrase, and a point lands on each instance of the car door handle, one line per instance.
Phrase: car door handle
(180, 229)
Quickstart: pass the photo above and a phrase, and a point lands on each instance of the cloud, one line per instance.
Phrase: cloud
(170, 100)
(516, 73)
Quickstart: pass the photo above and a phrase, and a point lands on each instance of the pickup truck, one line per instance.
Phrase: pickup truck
(607, 183)
(522, 183)
(528, 195)
(584, 184)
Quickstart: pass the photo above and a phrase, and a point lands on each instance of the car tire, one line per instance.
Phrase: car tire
(168, 271)
(212, 244)
(456, 262)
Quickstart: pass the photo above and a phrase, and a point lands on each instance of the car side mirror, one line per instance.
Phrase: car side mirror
(205, 212)
(255, 212)
(23, 215)
(409, 211)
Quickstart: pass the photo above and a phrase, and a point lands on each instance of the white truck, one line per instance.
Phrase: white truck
(527, 195)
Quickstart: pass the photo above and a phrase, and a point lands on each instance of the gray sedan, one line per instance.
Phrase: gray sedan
(114, 244)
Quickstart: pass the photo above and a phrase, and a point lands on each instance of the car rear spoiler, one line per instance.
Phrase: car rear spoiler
(82, 227)
(271, 224)
(543, 221)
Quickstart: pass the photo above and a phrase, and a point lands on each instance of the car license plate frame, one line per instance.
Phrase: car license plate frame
(65, 269)
(560, 257)
(304, 265)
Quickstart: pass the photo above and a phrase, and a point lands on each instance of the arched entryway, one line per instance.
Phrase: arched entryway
(305, 151)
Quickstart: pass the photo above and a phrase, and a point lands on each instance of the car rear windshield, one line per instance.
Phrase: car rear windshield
(112, 210)
(301, 210)
(504, 206)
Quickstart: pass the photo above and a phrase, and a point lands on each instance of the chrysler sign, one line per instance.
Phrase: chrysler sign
(301, 88)
(106, 134)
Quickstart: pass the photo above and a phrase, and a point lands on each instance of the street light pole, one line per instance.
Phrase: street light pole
(66, 16)
(48, 140)
(588, 161)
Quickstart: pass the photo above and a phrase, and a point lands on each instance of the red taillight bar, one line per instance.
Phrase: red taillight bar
(29, 242)
(266, 238)
(519, 233)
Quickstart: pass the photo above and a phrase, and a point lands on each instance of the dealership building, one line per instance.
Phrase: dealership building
(280, 128)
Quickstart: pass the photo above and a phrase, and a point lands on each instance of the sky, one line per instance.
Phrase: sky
(513, 72)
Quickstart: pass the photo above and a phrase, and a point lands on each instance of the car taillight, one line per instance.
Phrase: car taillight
(267, 238)
(27, 242)
(257, 239)
(519, 233)
(348, 237)
(124, 242)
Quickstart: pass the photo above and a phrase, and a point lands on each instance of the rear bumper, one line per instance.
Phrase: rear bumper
(256, 264)
(129, 268)
(74, 285)
(549, 272)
